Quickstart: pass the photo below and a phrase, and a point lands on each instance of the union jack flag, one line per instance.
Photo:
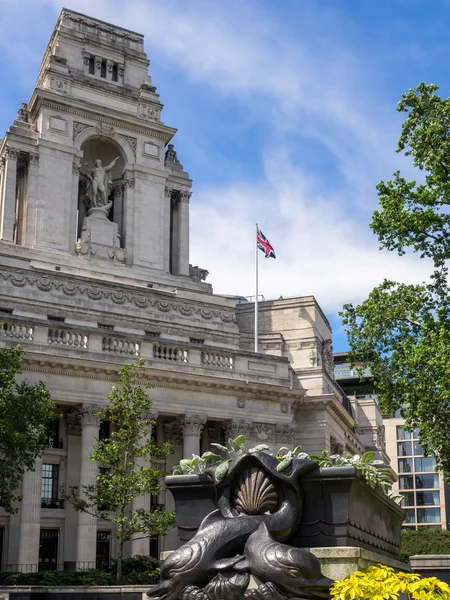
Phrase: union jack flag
(263, 244)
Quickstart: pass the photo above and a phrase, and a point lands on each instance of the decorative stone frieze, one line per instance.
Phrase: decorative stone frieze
(79, 128)
(173, 431)
(284, 434)
(94, 292)
(131, 141)
(263, 432)
(235, 428)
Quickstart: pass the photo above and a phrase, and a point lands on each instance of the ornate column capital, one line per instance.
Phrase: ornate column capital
(89, 415)
(34, 158)
(73, 421)
(192, 425)
(11, 153)
(173, 431)
(150, 415)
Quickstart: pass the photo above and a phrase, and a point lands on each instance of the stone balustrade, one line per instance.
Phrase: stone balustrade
(119, 346)
(218, 360)
(166, 352)
(17, 331)
(62, 337)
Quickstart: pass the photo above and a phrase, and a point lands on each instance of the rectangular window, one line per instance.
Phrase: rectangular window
(49, 490)
(428, 515)
(48, 550)
(408, 499)
(428, 498)
(91, 65)
(424, 464)
(406, 482)
(404, 448)
(104, 431)
(427, 481)
(103, 69)
(103, 549)
(114, 73)
(416, 433)
(405, 465)
(418, 450)
(402, 434)
(410, 516)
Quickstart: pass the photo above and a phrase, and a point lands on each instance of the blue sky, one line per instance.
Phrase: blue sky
(286, 116)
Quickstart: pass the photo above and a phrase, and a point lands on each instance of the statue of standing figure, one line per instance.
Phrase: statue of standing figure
(101, 183)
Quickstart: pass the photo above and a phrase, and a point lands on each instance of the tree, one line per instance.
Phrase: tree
(25, 414)
(424, 541)
(402, 332)
(131, 462)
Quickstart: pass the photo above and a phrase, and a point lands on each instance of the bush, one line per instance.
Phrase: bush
(58, 578)
(424, 541)
(138, 570)
(382, 582)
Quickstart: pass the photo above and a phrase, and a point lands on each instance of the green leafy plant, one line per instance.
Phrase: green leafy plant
(382, 583)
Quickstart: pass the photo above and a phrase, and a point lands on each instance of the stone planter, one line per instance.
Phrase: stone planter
(195, 497)
(339, 509)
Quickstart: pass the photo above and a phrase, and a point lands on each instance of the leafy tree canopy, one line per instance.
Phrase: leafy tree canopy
(424, 541)
(25, 414)
(402, 332)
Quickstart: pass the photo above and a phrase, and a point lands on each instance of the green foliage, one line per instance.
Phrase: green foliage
(138, 570)
(132, 462)
(374, 472)
(58, 578)
(402, 332)
(26, 411)
(382, 583)
(424, 541)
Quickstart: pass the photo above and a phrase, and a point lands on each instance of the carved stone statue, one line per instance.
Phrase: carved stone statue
(22, 115)
(198, 274)
(258, 510)
(171, 158)
(100, 184)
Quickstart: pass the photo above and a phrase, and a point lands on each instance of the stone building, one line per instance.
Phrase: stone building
(94, 250)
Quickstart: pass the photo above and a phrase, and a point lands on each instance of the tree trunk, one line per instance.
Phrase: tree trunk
(119, 563)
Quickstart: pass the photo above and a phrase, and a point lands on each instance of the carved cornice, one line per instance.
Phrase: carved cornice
(85, 23)
(98, 371)
(88, 114)
(140, 299)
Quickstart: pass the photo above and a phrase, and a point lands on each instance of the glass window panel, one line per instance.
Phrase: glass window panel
(427, 481)
(416, 433)
(418, 450)
(427, 499)
(404, 448)
(402, 434)
(428, 515)
(410, 516)
(49, 485)
(405, 465)
(406, 482)
(408, 499)
(425, 464)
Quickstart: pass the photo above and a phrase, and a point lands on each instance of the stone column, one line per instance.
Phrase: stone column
(141, 546)
(30, 519)
(32, 199)
(87, 524)
(73, 236)
(8, 201)
(183, 242)
(192, 429)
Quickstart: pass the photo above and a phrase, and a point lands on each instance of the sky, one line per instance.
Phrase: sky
(286, 116)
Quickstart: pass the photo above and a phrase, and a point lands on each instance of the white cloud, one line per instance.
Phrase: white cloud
(301, 82)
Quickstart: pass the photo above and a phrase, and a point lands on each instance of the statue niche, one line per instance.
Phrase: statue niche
(100, 203)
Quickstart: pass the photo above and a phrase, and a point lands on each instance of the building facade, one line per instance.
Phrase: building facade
(95, 272)
(426, 495)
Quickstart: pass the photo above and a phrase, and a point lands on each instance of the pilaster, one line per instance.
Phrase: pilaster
(87, 524)
(30, 519)
(33, 180)
(8, 201)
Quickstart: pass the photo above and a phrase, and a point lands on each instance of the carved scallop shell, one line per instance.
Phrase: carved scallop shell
(254, 493)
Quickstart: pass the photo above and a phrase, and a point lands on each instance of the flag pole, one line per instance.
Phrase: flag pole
(256, 292)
